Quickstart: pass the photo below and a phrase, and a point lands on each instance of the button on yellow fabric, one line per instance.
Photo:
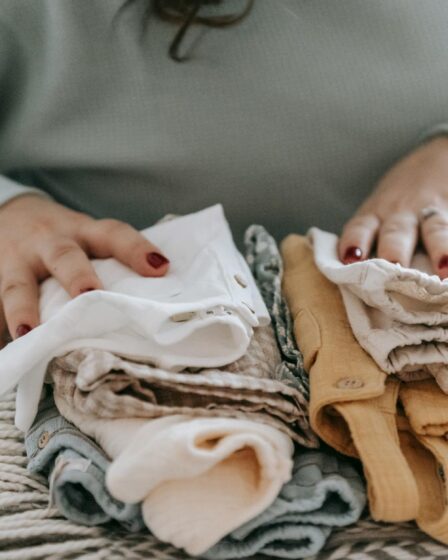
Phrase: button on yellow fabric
(182, 317)
(240, 280)
(349, 383)
(43, 440)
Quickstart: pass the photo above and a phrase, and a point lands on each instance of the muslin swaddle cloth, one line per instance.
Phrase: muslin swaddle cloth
(325, 491)
(399, 315)
(107, 386)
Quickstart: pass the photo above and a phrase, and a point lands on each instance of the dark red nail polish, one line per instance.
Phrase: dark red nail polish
(22, 330)
(352, 254)
(156, 260)
(84, 290)
(443, 263)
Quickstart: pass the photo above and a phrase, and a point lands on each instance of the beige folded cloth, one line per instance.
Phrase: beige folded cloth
(108, 386)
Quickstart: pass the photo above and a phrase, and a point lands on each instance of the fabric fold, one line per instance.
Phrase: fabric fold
(202, 477)
(265, 262)
(325, 491)
(399, 315)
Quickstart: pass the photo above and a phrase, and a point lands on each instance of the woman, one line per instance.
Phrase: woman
(289, 117)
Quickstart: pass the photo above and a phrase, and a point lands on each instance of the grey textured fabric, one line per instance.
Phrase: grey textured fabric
(288, 118)
(266, 265)
(76, 468)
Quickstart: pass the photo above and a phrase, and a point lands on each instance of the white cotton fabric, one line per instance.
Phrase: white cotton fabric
(198, 315)
(198, 478)
(399, 315)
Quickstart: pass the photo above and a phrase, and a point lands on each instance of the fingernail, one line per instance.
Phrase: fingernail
(84, 290)
(443, 263)
(352, 254)
(156, 260)
(22, 330)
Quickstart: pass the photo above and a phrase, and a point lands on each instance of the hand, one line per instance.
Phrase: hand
(40, 238)
(391, 216)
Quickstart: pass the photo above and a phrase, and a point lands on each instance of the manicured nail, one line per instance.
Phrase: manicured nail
(84, 290)
(156, 260)
(352, 254)
(443, 263)
(22, 330)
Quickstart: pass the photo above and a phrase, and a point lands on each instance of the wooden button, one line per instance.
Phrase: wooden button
(43, 440)
(251, 309)
(349, 383)
(183, 317)
(240, 280)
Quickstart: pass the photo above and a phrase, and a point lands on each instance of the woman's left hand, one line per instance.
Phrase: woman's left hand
(410, 202)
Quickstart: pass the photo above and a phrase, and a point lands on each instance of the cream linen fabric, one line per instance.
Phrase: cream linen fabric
(198, 478)
(201, 314)
(399, 315)
(105, 385)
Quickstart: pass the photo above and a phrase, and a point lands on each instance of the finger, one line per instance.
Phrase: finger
(5, 337)
(20, 299)
(357, 238)
(111, 238)
(67, 262)
(434, 232)
(398, 237)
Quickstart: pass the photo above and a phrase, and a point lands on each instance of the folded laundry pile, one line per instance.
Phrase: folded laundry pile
(202, 314)
(179, 401)
(397, 427)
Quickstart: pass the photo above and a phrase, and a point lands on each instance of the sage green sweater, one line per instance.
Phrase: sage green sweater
(288, 118)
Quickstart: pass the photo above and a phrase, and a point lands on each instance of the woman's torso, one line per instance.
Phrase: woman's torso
(288, 118)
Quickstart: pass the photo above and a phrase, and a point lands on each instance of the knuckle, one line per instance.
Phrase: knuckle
(11, 285)
(60, 249)
(361, 222)
(392, 228)
(436, 223)
(112, 227)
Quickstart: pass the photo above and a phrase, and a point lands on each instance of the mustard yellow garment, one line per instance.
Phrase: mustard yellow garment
(352, 407)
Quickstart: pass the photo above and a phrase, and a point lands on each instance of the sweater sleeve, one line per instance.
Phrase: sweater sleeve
(10, 60)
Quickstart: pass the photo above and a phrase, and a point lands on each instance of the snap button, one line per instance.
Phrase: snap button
(183, 317)
(240, 280)
(349, 383)
(43, 440)
(251, 309)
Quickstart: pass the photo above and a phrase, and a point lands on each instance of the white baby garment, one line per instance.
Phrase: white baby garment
(399, 315)
(198, 478)
(201, 314)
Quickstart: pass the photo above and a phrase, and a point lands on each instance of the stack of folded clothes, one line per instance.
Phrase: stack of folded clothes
(373, 335)
(181, 403)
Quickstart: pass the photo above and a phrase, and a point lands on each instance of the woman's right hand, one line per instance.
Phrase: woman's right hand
(40, 238)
